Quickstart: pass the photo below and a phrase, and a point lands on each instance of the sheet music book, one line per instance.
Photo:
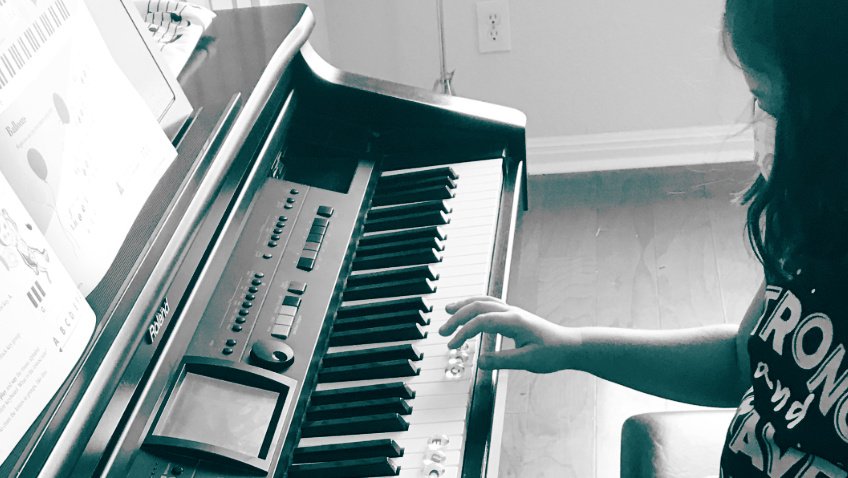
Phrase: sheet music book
(79, 146)
(80, 152)
(46, 321)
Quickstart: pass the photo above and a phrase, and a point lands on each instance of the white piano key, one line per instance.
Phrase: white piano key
(417, 433)
(450, 414)
(435, 402)
(426, 376)
(450, 472)
(416, 459)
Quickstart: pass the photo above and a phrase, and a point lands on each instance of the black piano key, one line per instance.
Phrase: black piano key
(348, 451)
(376, 354)
(418, 194)
(352, 409)
(362, 468)
(365, 392)
(377, 277)
(392, 180)
(388, 422)
(389, 289)
(385, 212)
(410, 280)
(368, 371)
(413, 219)
(365, 249)
(424, 232)
(377, 320)
(390, 187)
(392, 305)
(397, 259)
(388, 333)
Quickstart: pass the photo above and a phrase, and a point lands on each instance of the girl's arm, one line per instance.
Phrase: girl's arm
(704, 366)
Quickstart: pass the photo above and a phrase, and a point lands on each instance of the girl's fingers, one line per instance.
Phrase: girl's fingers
(470, 310)
(499, 322)
(455, 306)
(503, 359)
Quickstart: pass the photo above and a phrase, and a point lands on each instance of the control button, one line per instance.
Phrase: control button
(231, 342)
(253, 289)
(280, 331)
(290, 200)
(288, 206)
(272, 243)
(236, 328)
(247, 304)
(325, 211)
(288, 310)
(250, 297)
(267, 256)
(177, 470)
(256, 282)
(318, 230)
(309, 254)
(258, 275)
(272, 354)
(291, 300)
(315, 238)
(321, 221)
(275, 237)
(305, 264)
(294, 191)
(240, 320)
(227, 351)
(283, 218)
(312, 246)
(297, 287)
(284, 320)
(280, 225)
(243, 312)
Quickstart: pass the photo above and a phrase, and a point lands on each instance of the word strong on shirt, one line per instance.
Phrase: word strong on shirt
(809, 341)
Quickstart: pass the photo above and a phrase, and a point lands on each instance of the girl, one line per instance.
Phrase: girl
(785, 366)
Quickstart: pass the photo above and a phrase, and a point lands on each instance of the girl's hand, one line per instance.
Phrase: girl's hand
(540, 346)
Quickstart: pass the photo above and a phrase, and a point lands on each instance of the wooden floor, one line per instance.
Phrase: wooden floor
(658, 248)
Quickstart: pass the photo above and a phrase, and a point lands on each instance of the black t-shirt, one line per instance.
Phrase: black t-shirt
(793, 421)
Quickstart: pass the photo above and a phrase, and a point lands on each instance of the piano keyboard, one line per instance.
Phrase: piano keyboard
(387, 402)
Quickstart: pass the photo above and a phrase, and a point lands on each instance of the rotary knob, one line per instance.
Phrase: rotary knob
(271, 354)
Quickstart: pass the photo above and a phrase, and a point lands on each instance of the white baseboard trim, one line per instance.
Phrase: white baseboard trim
(640, 149)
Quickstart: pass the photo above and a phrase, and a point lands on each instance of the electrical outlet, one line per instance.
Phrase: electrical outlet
(493, 26)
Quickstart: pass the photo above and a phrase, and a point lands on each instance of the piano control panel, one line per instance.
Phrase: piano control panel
(258, 335)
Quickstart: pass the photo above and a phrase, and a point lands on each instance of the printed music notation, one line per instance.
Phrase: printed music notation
(21, 51)
(84, 152)
(47, 323)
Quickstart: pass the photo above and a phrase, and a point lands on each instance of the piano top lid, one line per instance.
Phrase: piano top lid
(463, 106)
(221, 66)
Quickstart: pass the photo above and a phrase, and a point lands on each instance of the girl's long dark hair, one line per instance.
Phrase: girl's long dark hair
(798, 217)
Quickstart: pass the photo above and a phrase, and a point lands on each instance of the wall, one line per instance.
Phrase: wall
(577, 67)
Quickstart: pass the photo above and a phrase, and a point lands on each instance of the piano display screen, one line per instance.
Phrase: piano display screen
(220, 413)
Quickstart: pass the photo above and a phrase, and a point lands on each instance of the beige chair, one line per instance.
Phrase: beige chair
(685, 444)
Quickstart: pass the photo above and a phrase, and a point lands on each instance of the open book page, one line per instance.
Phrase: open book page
(78, 144)
(46, 321)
